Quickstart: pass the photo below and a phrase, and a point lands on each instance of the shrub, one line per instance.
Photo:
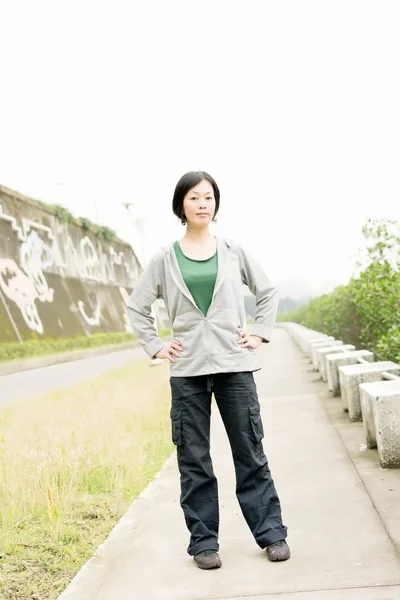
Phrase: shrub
(366, 312)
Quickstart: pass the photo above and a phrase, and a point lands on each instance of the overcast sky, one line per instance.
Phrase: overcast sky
(292, 105)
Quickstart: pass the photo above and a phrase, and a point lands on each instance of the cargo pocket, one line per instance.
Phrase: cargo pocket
(176, 421)
(256, 423)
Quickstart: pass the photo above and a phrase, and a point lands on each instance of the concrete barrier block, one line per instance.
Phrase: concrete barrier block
(304, 339)
(318, 346)
(313, 340)
(352, 376)
(334, 361)
(298, 332)
(324, 351)
(304, 336)
(318, 342)
(380, 403)
(367, 414)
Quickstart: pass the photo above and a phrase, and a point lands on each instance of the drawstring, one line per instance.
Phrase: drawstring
(210, 383)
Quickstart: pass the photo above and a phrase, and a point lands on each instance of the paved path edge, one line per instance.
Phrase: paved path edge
(96, 571)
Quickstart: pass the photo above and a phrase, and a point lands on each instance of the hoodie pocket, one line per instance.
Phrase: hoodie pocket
(256, 423)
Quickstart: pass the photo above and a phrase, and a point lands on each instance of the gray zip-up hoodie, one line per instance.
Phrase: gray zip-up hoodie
(209, 342)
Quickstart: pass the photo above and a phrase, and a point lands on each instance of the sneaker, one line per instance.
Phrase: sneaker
(278, 551)
(209, 559)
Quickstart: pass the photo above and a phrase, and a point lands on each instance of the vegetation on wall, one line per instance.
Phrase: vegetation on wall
(102, 232)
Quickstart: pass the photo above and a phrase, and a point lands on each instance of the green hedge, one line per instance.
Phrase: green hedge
(33, 348)
(366, 312)
(334, 314)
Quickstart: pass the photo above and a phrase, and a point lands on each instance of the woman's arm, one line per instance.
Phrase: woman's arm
(145, 292)
(266, 294)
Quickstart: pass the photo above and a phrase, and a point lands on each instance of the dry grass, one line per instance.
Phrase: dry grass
(70, 464)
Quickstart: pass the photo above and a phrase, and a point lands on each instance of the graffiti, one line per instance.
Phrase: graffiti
(80, 259)
(90, 259)
(27, 284)
(14, 225)
(125, 298)
(40, 250)
(94, 321)
(35, 256)
(19, 288)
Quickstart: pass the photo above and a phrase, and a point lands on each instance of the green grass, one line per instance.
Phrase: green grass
(32, 348)
(71, 463)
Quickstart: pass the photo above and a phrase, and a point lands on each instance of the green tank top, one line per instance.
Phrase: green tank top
(200, 277)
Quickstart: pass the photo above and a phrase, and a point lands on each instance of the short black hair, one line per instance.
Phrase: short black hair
(187, 182)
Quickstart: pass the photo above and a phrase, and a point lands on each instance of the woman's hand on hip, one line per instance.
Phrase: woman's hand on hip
(170, 350)
(247, 340)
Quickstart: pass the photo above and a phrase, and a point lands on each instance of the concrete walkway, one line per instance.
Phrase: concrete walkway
(337, 503)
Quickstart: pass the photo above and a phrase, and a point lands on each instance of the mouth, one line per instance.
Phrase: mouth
(202, 214)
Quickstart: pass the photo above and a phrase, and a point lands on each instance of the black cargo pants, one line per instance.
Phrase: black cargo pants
(237, 400)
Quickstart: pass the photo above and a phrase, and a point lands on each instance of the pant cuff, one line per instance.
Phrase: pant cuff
(210, 544)
(273, 537)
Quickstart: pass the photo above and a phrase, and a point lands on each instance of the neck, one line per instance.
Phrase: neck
(195, 234)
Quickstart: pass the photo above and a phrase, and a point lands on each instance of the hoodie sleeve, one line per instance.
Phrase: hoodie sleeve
(266, 294)
(145, 292)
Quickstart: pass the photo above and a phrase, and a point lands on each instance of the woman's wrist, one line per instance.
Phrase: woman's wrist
(258, 339)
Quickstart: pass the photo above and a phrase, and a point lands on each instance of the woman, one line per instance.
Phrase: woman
(201, 281)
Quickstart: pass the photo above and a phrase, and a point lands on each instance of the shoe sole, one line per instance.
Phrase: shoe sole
(208, 568)
(278, 559)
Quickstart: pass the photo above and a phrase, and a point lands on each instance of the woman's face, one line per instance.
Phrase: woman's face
(199, 204)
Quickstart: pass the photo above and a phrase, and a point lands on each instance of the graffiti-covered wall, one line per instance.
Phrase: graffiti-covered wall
(57, 279)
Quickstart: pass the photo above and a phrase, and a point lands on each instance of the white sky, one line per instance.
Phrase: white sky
(292, 105)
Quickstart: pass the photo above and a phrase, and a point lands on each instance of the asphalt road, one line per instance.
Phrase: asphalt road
(36, 382)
